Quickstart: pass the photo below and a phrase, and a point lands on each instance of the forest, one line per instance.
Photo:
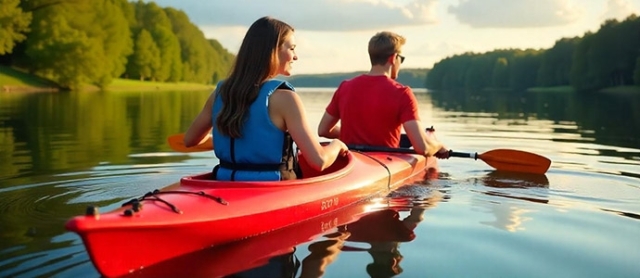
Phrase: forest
(75, 42)
(607, 58)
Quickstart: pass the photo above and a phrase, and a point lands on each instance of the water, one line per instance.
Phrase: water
(60, 152)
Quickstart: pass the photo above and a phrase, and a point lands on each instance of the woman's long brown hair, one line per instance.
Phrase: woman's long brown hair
(257, 60)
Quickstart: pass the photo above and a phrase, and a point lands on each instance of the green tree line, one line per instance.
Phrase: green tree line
(410, 77)
(607, 58)
(75, 42)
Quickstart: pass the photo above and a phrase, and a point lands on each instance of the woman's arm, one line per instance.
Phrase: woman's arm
(288, 111)
(200, 128)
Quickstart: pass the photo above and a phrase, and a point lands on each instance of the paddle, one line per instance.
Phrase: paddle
(501, 159)
(176, 142)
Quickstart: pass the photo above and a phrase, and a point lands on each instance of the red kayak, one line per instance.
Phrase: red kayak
(364, 222)
(199, 213)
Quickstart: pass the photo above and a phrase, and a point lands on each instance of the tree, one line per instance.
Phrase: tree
(636, 73)
(62, 53)
(556, 63)
(151, 17)
(479, 73)
(524, 69)
(500, 75)
(14, 23)
(607, 58)
(223, 60)
(98, 27)
(579, 75)
(146, 57)
(195, 52)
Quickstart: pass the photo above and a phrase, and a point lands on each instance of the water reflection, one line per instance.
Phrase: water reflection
(385, 230)
(603, 118)
(511, 216)
(58, 133)
(59, 152)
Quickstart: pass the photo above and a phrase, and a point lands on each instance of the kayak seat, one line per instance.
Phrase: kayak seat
(310, 172)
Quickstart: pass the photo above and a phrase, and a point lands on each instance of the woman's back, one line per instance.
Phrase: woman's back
(262, 149)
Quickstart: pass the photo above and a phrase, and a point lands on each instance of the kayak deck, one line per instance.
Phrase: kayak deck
(198, 212)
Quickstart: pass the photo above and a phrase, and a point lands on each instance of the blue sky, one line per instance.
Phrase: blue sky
(332, 35)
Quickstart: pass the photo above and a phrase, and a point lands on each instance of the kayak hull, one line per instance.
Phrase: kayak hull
(199, 213)
(352, 224)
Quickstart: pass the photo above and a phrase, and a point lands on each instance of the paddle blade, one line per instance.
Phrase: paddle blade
(176, 142)
(516, 161)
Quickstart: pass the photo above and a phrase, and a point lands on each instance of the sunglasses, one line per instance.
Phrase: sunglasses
(401, 58)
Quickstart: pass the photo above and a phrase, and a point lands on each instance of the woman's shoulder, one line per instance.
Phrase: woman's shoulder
(279, 84)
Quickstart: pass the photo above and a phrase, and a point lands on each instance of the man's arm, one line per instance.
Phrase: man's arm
(423, 143)
(329, 127)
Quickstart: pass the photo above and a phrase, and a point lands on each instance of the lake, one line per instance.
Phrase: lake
(60, 152)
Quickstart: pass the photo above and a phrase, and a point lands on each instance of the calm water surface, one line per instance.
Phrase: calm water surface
(62, 152)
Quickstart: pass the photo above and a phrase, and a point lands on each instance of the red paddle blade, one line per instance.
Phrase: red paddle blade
(176, 142)
(516, 161)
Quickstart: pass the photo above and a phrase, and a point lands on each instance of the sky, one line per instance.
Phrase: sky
(332, 35)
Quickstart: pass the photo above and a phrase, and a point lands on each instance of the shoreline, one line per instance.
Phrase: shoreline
(13, 80)
(28, 89)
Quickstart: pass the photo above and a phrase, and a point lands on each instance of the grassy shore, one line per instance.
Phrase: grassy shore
(569, 89)
(622, 90)
(13, 80)
(126, 85)
(556, 89)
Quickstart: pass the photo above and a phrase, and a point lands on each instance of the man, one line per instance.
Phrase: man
(372, 108)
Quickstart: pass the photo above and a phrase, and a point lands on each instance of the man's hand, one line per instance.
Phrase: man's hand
(443, 153)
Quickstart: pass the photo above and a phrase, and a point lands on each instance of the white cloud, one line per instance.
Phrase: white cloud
(516, 13)
(332, 35)
(618, 9)
(230, 37)
(317, 15)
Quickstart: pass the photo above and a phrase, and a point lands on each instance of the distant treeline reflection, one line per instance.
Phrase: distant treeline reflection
(608, 119)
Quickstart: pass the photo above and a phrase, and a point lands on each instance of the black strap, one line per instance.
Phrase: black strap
(289, 161)
(215, 171)
(233, 157)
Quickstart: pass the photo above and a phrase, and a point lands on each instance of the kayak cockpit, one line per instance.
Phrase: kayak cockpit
(341, 167)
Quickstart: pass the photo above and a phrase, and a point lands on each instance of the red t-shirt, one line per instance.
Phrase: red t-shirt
(372, 109)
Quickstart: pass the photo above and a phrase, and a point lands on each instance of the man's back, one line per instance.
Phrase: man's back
(372, 109)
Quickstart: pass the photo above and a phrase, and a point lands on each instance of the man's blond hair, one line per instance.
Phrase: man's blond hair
(384, 44)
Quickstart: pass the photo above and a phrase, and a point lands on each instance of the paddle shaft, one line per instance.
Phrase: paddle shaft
(459, 154)
(364, 148)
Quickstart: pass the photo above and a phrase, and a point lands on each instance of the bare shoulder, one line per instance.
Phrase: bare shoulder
(284, 92)
(284, 96)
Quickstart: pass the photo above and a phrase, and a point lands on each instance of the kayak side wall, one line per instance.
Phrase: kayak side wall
(119, 245)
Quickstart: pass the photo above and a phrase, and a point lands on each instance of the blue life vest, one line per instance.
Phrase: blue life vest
(263, 152)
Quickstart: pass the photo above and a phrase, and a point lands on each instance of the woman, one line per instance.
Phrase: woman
(254, 117)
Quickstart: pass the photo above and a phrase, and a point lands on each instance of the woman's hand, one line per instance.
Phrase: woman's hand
(344, 150)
